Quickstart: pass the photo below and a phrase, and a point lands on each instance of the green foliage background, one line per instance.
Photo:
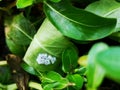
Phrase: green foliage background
(64, 30)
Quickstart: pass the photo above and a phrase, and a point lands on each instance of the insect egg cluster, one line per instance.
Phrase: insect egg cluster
(45, 59)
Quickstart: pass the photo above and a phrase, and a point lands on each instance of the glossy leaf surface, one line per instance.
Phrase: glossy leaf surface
(78, 23)
(45, 51)
(106, 8)
(26, 3)
(51, 76)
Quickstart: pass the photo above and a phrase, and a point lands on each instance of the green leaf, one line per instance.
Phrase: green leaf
(115, 36)
(54, 80)
(16, 48)
(45, 51)
(5, 75)
(24, 3)
(69, 59)
(63, 83)
(109, 60)
(48, 87)
(95, 73)
(51, 76)
(29, 69)
(78, 23)
(19, 34)
(77, 80)
(55, 0)
(106, 8)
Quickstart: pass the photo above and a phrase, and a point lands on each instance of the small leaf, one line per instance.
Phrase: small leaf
(48, 87)
(106, 8)
(77, 23)
(109, 60)
(54, 80)
(24, 3)
(77, 80)
(51, 77)
(83, 60)
(69, 59)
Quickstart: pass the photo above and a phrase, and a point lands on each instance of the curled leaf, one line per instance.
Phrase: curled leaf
(44, 52)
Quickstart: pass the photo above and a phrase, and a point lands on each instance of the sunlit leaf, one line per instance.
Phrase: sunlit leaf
(26, 3)
(83, 60)
(45, 51)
